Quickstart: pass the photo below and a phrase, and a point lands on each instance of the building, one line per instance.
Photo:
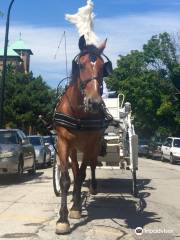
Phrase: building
(18, 55)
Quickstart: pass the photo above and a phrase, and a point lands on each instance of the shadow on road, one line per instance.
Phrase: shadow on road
(115, 202)
(11, 179)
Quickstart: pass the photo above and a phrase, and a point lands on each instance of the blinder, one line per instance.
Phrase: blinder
(107, 68)
(75, 65)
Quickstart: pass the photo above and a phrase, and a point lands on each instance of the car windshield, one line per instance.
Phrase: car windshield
(49, 140)
(8, 137)
(35, 141)
(177, 143)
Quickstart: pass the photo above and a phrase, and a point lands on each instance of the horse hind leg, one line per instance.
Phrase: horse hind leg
(75, 211)
(62, 225)
(93, 184)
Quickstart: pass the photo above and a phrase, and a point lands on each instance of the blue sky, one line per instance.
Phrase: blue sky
(127, 24)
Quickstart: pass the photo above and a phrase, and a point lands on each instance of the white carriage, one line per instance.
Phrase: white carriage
(122, 142)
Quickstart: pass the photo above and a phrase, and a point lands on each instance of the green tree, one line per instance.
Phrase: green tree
(27, 97)
(146, 79)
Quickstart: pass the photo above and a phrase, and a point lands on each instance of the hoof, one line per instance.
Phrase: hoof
(62, 228)
(92, 190)
(75, 214)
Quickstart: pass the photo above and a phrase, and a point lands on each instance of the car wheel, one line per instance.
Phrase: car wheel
(162, 157)
(33, 170)
(20, 168)
(49, 164)
(172, 161)
(45, 161)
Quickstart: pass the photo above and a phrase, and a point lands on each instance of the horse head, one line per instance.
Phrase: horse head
(89, 69)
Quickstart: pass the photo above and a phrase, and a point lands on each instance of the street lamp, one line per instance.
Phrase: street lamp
(4, 70)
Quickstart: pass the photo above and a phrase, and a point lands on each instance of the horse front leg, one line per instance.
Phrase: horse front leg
(62, 225)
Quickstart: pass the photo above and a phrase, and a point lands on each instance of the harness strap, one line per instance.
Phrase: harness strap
(85, 82)
(80, 124)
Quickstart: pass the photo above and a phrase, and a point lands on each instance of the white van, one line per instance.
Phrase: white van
(170, 149)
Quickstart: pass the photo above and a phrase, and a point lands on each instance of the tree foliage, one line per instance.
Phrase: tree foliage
(146, 78)
(26, 97)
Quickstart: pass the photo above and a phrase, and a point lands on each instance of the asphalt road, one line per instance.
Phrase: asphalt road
(29, 208)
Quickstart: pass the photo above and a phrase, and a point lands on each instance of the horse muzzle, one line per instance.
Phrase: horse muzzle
(92, 105)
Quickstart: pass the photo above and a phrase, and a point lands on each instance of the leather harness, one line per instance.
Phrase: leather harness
(67, 121)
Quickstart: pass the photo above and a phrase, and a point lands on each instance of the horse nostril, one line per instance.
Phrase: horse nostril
(94, 105)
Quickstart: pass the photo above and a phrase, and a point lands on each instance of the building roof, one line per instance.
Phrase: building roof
(20, 45)
(10, 52)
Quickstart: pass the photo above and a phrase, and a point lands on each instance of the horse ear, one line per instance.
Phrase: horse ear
(82, 43)
(102, 46)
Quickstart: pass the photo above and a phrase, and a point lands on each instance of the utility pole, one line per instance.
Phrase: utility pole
(4, 70)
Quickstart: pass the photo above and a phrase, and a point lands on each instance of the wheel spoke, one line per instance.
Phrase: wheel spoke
(56, 179)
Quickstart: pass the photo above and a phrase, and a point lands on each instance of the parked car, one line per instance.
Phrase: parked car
(143, 147)
(170, 149)
(154, 150)
(16, 153)
(42, 152)
(49, 141)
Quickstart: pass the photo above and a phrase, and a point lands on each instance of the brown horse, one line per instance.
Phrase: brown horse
(80, 124)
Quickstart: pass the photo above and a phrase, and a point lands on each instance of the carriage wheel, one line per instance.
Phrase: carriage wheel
(56, 178)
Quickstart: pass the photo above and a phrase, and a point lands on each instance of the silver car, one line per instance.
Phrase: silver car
(16, 153)
(49, 141)
(42, 152)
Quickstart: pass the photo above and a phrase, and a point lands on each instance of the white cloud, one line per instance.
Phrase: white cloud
(123, 33)
(131, 32)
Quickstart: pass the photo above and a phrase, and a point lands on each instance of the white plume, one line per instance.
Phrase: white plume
(83, 20)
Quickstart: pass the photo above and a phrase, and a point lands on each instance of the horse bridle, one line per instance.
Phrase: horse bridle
(84, 82)
(86, 124)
